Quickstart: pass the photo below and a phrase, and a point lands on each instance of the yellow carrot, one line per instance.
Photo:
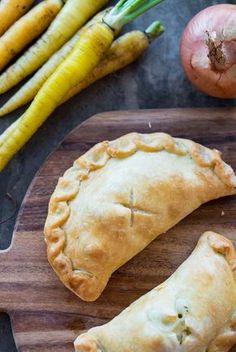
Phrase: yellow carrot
(25, 94)
(87, 53)
(70, 19)
(26, 29)
(122, 52)
(11, 11)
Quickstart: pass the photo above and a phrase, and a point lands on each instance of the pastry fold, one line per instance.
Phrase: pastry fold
(120, 196)
(193, 311)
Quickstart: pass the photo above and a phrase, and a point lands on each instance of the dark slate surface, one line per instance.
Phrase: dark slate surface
(155, 81)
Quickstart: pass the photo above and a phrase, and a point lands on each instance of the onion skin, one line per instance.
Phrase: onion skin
(214, 75)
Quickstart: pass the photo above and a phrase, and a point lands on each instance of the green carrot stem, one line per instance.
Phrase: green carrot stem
(126, 11)
(154, 30)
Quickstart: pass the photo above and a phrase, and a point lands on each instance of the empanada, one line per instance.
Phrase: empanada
(193, 311)
(120, 196)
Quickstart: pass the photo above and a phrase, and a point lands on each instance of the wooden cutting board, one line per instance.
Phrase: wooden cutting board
(45, 315)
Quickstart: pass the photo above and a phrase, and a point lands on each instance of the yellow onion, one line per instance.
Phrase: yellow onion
(208, 50)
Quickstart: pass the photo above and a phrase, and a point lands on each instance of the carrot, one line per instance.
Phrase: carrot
(26, 29)
(123, 51)
(31, 88)
(87, 53)
(70, 19)
(11, 11)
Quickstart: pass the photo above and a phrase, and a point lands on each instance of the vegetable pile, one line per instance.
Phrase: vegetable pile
(69, 57)
(208, 50)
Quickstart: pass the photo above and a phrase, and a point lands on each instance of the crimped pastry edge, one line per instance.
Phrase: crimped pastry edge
(81, 283)
(226, 339)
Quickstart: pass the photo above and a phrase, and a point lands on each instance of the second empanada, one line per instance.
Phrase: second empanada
(192, 311)
(120, 196)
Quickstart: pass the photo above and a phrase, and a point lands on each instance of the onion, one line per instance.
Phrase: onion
(208, 50)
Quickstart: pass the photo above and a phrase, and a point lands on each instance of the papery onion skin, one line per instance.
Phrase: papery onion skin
(218, 80)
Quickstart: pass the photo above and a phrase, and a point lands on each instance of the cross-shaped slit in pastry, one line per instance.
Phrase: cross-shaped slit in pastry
(133, 208)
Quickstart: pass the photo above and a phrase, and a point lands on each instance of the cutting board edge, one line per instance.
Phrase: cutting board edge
(105, 114)
(102, 115)
(4, 252)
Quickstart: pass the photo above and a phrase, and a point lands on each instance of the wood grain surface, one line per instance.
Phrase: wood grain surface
(45, 315)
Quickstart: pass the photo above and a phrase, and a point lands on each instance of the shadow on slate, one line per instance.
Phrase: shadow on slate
(6, 339)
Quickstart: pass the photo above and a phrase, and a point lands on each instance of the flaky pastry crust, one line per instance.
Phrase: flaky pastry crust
(120, 196)
(193, 311)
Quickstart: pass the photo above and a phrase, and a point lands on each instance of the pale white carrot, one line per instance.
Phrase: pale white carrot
(89, 50)
(122, 52)
(25, 94)
(71, 18)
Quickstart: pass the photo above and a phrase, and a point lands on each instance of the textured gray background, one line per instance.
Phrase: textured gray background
(155, 81)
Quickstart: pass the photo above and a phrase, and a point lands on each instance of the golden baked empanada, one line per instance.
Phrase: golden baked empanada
(120, 196)
(193, 311)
